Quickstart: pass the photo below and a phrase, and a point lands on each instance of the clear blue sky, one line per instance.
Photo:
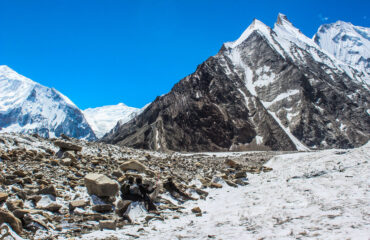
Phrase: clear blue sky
(110, 51)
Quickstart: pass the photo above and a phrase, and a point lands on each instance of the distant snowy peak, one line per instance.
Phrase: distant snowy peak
(348, 43)
(29, 107)
(103, 119)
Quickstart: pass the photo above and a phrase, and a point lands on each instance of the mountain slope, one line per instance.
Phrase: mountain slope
(103, 119)
(348, 43)
(28, 107)
(270, 89)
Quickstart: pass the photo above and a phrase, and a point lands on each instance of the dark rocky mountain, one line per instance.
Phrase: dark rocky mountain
(270, 89)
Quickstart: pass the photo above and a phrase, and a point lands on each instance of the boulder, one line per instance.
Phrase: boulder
(70, 154)
(52, 207)
(102, 208)
(48, 190)
(100, 185)
(133, 165)
(122, 206)
(240, 174)
(215, 185)
(196, 210)
(107, 224)
(78, 204)
(14, 204)
(231, 163)
(66, 162)
(8, 217)
(3, 196)
(67, 146)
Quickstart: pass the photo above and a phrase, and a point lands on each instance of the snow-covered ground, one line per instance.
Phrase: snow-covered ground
(312, 195)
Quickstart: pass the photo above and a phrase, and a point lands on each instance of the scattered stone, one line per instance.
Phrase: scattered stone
(52, 207)
(8, 217)
(122, 206)
(215, 185)
(14, 204)
(66, 146)
(133, 165)
(107, 224)
(3, 196)
(196, 210)
(231, 163)
(66, 162)
(100, 185)
(240, 174)
(77, 204)
(102, 208)
(49, 190)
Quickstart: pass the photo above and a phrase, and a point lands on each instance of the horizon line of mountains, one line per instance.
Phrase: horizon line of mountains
(271, 89)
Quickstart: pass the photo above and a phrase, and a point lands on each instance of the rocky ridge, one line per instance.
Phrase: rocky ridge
(66, 187)
(271, 89)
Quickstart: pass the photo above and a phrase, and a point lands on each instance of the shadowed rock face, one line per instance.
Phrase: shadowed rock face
(262, 93)
(205, 111)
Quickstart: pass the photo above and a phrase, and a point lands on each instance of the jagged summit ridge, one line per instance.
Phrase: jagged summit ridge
(29, 107)
(270, 89)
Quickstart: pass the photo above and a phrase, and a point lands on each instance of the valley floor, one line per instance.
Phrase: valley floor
(311, 195)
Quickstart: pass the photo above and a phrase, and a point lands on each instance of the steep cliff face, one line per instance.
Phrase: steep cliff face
(28, 107)
(270, 89)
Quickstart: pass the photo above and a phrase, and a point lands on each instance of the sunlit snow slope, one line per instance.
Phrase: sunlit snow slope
(348, 43)
(28, 107)
(103, 119)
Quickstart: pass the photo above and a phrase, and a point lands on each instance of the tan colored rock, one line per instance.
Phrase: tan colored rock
(8, 217)
(102, 208)
(107, 224)
(78, 204)
(133, 165)
(49, 190)
(3, 196)
(240, 174)
(70, 154)
(215, 185)
(196, 210)
(20, 173)
(14, 204)
(52, 207)
(231, 163)
(100, 185)
(230, 183)
(66, 162)
(122, 206)
(67, 145)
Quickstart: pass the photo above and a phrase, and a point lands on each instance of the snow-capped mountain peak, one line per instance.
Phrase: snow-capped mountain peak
(8, 73)
(28, 107)
(103, 119)
(256, 25)
(348, 43)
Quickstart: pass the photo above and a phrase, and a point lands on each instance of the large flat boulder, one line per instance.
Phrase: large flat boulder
(100, 185)
(67, 146)
(133, 165)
